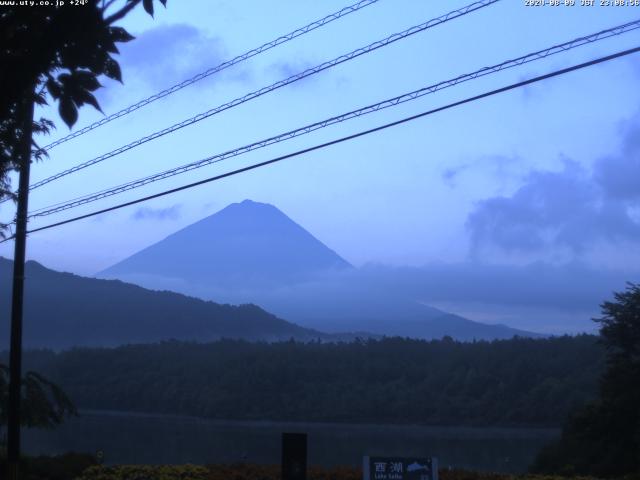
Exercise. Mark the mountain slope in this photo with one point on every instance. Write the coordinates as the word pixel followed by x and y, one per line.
pixel 252 252
pixel 63 310
pixel 246 243
pixel 384 315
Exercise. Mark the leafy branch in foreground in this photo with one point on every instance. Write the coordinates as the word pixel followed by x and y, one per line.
pixel 53 54
pixel 45 405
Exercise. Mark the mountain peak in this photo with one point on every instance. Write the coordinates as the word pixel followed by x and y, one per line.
pixel 247 204
pixel 30 264
pixel 245 243
pixel 248 207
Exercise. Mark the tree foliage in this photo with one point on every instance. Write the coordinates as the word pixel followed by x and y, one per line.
pixel 604 437
pixel 54 53
pixel 510 382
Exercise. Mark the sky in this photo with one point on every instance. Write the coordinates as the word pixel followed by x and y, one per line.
pixel 542 178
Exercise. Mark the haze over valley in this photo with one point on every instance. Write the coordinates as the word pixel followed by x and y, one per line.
pixel 251 252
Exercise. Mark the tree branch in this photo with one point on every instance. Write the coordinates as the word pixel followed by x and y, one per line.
pixel 106 5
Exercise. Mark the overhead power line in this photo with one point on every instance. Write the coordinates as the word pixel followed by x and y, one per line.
pixel 240 58
pixel 538 55
pixel 257 93
pixel 513 86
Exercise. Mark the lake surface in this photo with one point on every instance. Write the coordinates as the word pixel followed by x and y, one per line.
pixel 128 438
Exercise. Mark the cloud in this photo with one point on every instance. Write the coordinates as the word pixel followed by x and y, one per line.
pixel 566 214
pixel 573 286
pixel 635 64
pixel 501 167
pixel 99 218
pixel 450 174
pixel 285 69
pixel 168 213
pixel 168 54
pixel 537 296
pixel 531 91
pixel 619 175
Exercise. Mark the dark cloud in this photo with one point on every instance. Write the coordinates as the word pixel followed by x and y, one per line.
pixel 168 213
pixel 168 54
pixel 573 209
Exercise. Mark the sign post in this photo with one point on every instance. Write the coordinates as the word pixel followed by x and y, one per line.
pixel 399 468
pixel 294 456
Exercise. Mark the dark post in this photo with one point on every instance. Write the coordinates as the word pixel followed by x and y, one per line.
pixel 15 355
pixel 294 456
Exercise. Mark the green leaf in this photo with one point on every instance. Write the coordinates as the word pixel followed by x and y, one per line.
pixel 86 80
pixel 40 99
pixel 84 96
pixel 64 78
pixel 119 34
pixel 54 88
pixel 148 6
pixel 112 69
pixel 68 111
pixel 111 47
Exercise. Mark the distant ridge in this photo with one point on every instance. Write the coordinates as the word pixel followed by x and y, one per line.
pixel 247 243
pixel 63 310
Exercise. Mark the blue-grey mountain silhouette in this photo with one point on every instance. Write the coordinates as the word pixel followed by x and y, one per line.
pixel 64 310
pixel 244 244
pixel 251 252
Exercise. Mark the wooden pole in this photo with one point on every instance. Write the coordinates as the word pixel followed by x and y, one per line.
pixel 17 300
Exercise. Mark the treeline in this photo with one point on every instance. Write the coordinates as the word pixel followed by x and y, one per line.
pixel 507 382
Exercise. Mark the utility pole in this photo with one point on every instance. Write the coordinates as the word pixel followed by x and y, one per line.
pixel 15 353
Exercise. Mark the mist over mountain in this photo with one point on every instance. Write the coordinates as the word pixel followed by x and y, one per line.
pixel 251 252
pixel 62 310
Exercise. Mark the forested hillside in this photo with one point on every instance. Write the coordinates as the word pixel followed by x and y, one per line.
pixel 65 310
pixel 506 382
